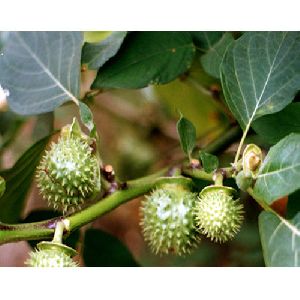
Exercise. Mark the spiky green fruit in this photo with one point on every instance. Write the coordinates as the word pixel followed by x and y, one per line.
pixel 217 214
pixel 69 172
pixel 53 255
pixel 167 220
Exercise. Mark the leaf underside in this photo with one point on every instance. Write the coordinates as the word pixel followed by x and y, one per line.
pixel 280 240
pixel 41 70
pixel 280 173
pixel 94 55
pixel 260 74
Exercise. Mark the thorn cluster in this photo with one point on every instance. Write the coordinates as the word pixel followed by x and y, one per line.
pixel 50 258
pixel 167 220
pixel 68 174
pixel 218 215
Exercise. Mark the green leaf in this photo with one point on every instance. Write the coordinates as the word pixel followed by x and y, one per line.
pixel 205 39
pixel 18 181
pixel 3 37
pixel 260 74
pixel 41 70
pixel 44 214
pixel 103 250
pixel 187 135
pixel 280 240
pixel 96 54
pixel 276 126
pixel 147 58
pixel 86 116
pixel 209 162
pixel 212 59
pixel 280 173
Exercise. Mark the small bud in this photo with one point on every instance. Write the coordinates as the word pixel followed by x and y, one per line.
pixel 252 160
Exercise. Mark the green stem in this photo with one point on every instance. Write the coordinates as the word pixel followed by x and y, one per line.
pixel 58 233
pixel 241 144
pixel 45 229
pixel 260 201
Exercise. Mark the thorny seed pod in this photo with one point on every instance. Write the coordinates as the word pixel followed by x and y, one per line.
pixel 217 214
pixel 69 172
pixel 167 220
pixel 50 254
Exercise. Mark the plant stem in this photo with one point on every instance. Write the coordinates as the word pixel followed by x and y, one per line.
pixel 261 202
pixel 45 229
pixel 241 143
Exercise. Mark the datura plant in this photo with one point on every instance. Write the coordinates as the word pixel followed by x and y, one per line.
pixel 218 112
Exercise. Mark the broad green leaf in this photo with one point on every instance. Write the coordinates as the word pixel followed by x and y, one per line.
pixel 104 250
pixel 280 240
pixel 280 173
pixel 147 58
pixel 260 74
pixel 212 59
pixel 210 162
pixel 276 126
pixel 46 214
pixel 41 70
pixel 3 36
pixel 187 135
pixel 205 39
pixel 18 181
pixel 94 55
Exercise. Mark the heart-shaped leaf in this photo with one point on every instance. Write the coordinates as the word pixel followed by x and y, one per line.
pixel 280 173
pixel 41 70
pixel 94 55
pixel 18 181
pixel 147 58
pixel 260 74
pixel 280 240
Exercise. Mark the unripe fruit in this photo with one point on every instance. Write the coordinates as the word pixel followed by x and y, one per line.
pixel 49 254
pixel 217 214
pixel 167 220
pixel 69 172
